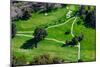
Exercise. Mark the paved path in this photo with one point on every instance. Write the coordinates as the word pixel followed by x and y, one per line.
pixel 61 23
pixel 49 26
pixel 72 28
pixel 51 39
pixel 25 31
pixel 73 36
pixel 20 32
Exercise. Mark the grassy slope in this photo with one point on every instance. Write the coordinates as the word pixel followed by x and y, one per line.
pixel 60 30
pixel 39 19
pixel 51 47
pixel 88 44
pixel 54 49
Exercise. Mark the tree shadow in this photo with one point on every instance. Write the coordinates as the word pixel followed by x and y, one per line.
pixel 29 44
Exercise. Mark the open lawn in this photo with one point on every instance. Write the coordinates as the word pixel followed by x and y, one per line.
pixel 55 32
pixel 40 19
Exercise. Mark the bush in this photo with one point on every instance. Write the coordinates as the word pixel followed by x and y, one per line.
pixel 46 59
pixel 88 15
pixel 19 60
pixel 26 13
pixel 74 41
pixel 67 32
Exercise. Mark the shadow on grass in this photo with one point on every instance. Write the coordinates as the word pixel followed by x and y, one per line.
pixel 29 44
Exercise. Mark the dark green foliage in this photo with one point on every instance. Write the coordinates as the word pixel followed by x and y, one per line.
pixel 40 33
pixel 46 59
pixel 13 30
pixel 74 41
pixel 26 13
pixel 80 37
pixel 88 14
pixel 90 19
pixel 67 32
pixel 79 22
pixel 80 60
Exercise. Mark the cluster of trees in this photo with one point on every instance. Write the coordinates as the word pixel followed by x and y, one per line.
pixel 74 41
pixel 88 14
pixel 22 10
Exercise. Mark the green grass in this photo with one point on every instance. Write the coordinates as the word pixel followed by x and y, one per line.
pixel 58 32
pixel 44 47
pixel 40 19
pixel 88 44
pixel 53 48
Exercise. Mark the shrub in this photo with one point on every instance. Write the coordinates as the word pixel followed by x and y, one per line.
pixel 26 13
pixel 57 60
pixel 88 15
pixel 67 32
pixel 46 59
pixel 19 60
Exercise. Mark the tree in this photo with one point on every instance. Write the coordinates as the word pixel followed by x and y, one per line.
pixel 74 41
pixel 26 13
pixel 90 19
pixel 39 34
pixel 13 30
pixel 88 14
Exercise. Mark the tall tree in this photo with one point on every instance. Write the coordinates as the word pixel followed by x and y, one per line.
pixel 39 34
pixel 88 14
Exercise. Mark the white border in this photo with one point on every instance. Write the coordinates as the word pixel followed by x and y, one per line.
pixel 84 2
pixel 5 32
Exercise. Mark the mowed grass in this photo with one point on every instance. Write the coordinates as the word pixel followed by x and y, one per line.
pixel 53 48
pixel 40 19
pixel 69 54
pixel 88 44
pixel 59 31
